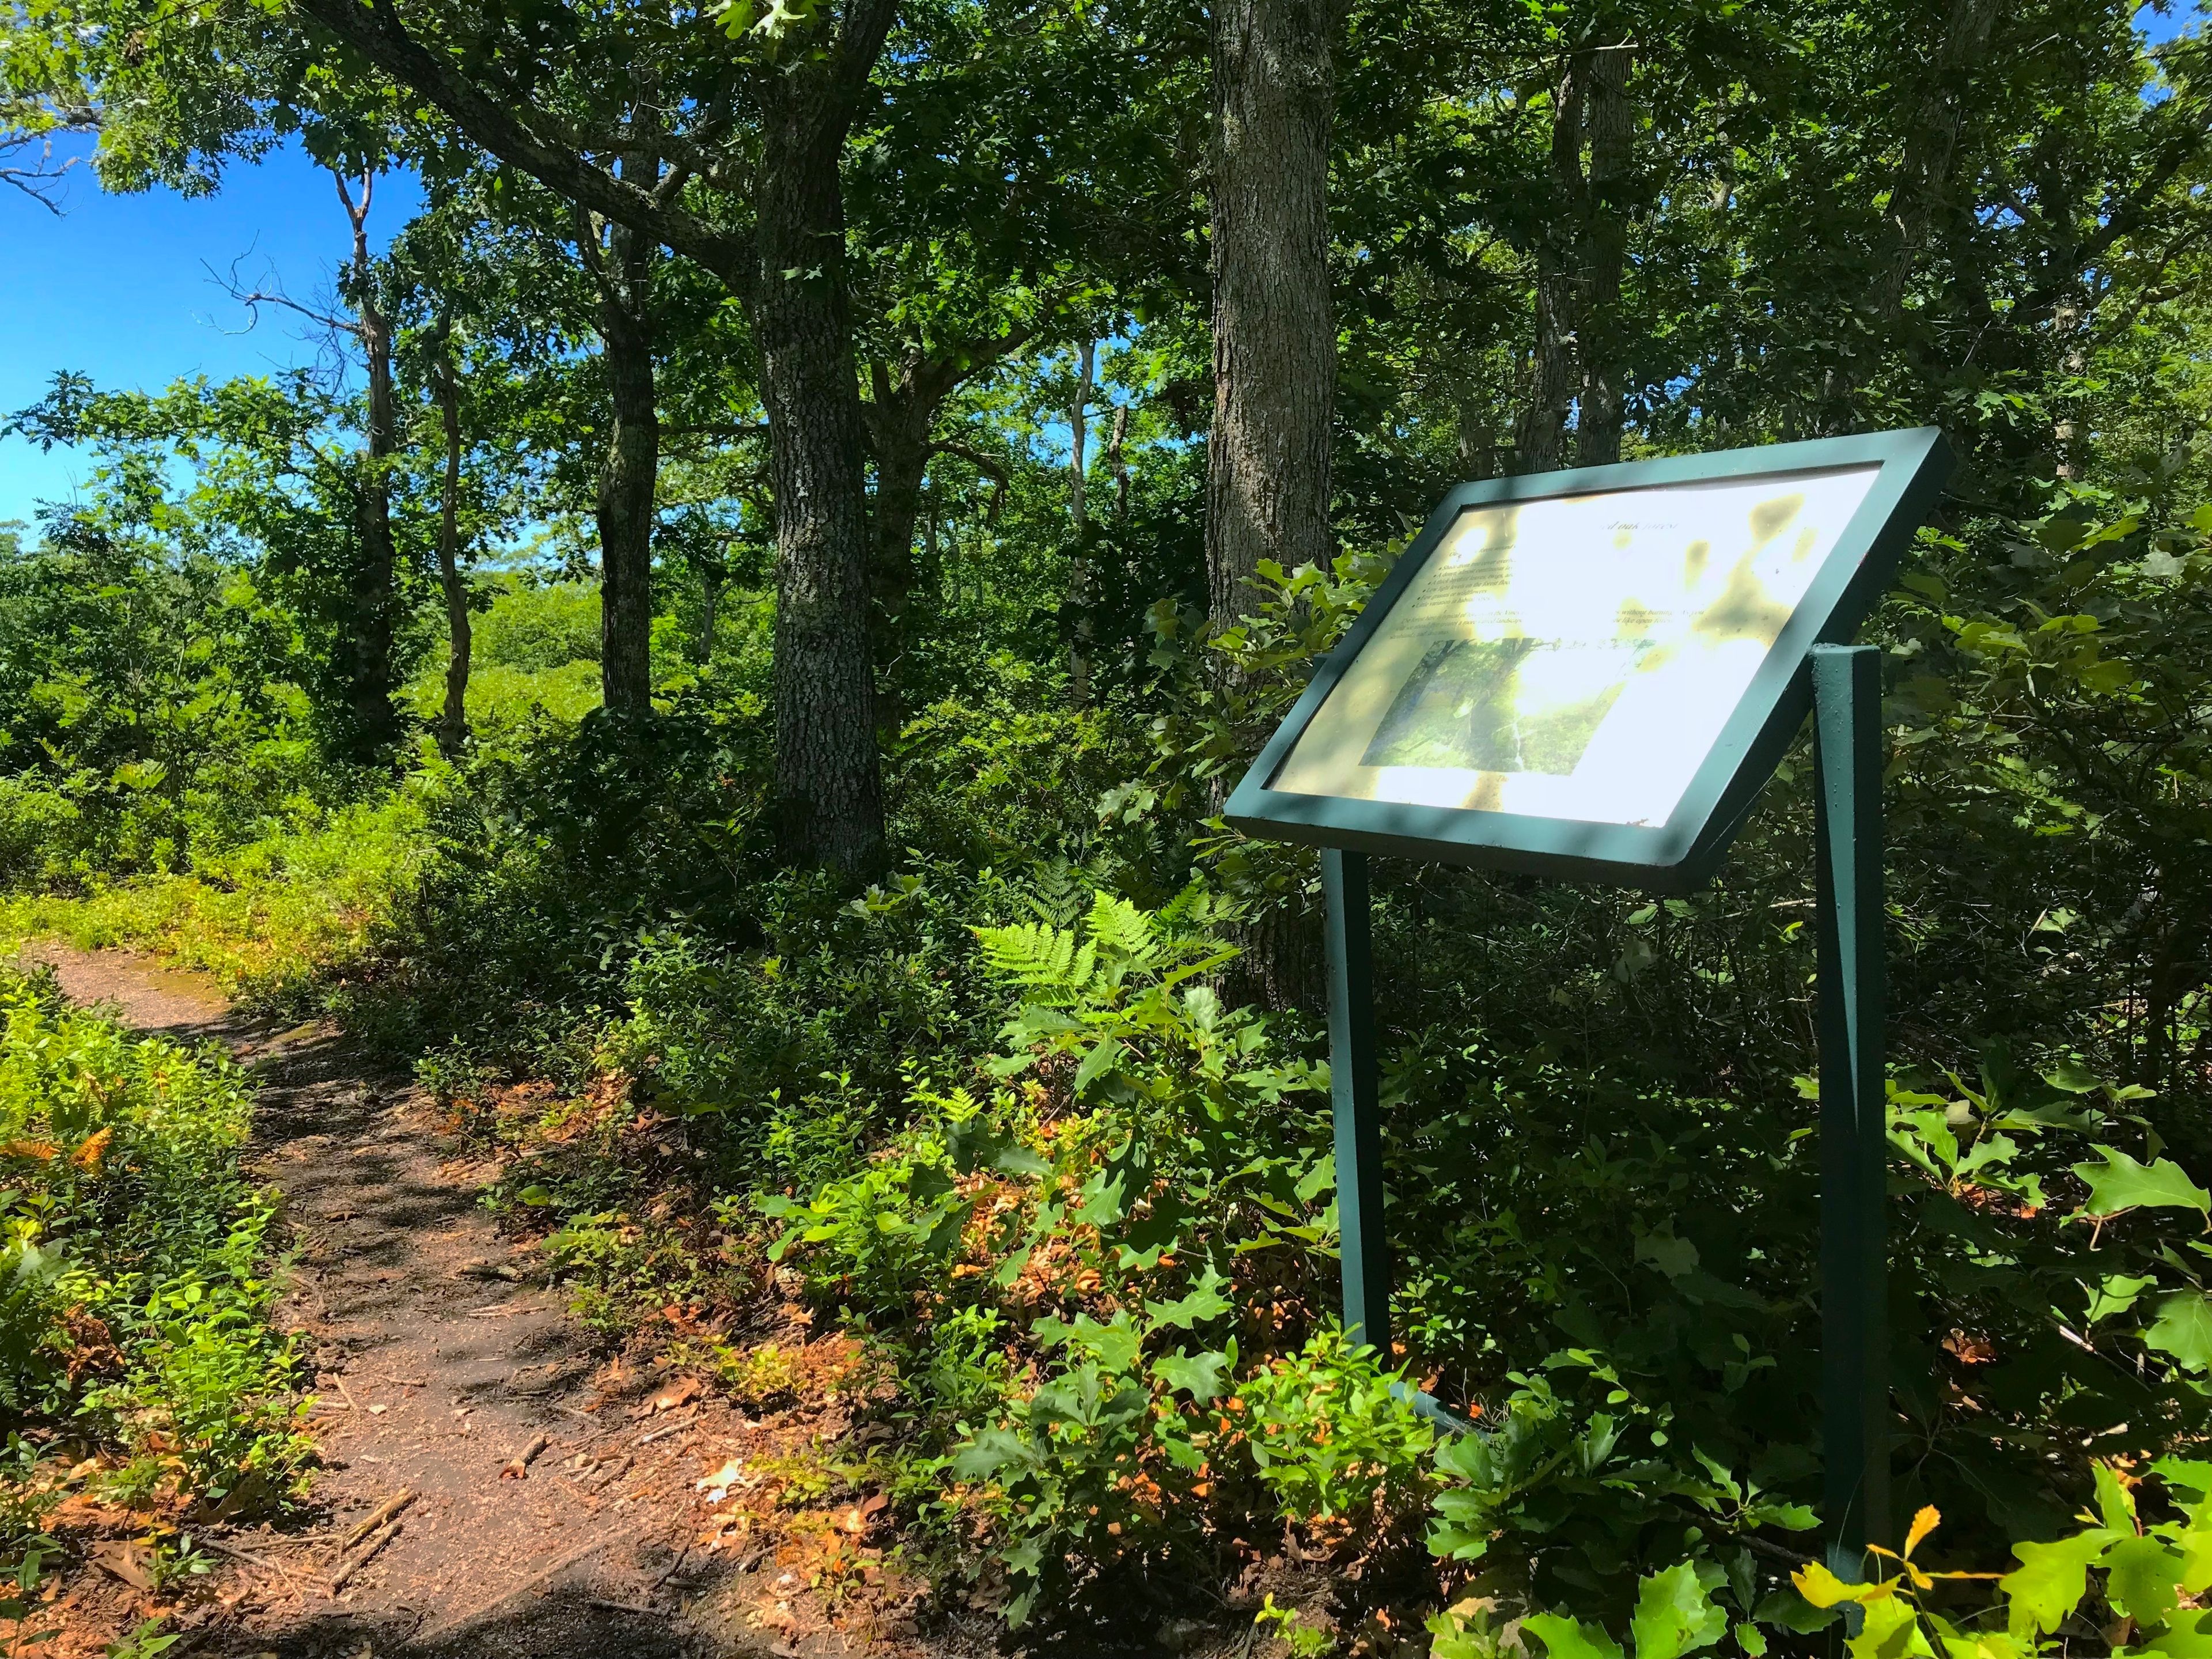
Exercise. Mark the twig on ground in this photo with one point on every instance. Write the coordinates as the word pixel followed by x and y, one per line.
pixel 669 1571
pixel 362 1557
pixel 517 1465
pixel 378 1516
pixel 247 1556
pixel 624 1607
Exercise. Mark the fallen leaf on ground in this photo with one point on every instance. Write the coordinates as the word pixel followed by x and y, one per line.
pixel 680 1392
pixel 122 1561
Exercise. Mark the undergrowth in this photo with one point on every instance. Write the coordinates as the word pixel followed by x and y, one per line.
pixel 136 1358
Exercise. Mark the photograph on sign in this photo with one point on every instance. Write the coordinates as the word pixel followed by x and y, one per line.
pixel 1575 657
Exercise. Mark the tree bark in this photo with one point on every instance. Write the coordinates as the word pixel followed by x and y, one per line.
pixel 900 416
pixel 1274 360
pixel 1931 145
pixel 1274 334
pixel 454 723
pixel 1540 435
pixel 1924 181
pixel 630 473
pixel 1478 445
pixel 1079 595
pixel 628 478
pixel 1117 461
pixel 372 583
pixel 710 603
pixel 1600 337
pixel 829 774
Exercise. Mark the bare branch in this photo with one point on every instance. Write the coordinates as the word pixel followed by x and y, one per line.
pixel 40 181
pixel 254 299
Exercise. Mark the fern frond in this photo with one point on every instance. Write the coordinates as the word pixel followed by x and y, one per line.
pixel 1042 960
pixel 1058 890
pixel 1121 931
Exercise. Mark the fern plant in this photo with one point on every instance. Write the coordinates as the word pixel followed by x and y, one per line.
pixel 1123 997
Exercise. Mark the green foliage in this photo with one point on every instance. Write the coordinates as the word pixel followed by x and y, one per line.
pixel 2137 1576
pixel 138 1261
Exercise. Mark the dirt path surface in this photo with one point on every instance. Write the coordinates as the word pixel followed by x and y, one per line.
pixel 441 1368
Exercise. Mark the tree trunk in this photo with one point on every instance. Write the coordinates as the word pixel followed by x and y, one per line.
pixel 628 478
pixel 900 418
pixel 1274 335
pixel 1599 335
pixel 1078 574
pixel 1478 446
pixel 1540 436
pixel 372 583
pixel 629 474
pixel 1275 361
pixel 454 724
pixel 710 600
pixel 829 774
pixel 1924 181
pixel 2068 326
pixel 1116 459
pixel 1923 177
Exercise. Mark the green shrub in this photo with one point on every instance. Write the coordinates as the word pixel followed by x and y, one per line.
pixel 139 1269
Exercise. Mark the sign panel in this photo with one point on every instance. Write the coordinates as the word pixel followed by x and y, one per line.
pixel 1584 670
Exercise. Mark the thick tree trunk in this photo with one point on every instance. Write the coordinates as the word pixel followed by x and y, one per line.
pixel 1540 435
pixel 1600 337
pixel 1274 334
pixel 373 598
pixel 1078 574
pixel 829 774
pixel 628 478
pixel 1274 360
pixel 453 722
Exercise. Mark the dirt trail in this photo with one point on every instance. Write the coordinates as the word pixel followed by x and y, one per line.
pixel 438 1364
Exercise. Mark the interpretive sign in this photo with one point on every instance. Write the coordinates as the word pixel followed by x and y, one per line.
pixel 1591 672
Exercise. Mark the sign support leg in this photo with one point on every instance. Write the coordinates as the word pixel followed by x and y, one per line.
pixel 1352 1069
pixel 1854 1334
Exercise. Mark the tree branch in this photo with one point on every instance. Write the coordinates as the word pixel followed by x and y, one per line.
pixel 989 466
pixel 374 29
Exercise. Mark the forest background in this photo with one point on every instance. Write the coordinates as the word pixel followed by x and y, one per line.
pixel 753 616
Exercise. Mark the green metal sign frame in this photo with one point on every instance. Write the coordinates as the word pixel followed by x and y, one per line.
pixel 1682 855
pixel 1810 667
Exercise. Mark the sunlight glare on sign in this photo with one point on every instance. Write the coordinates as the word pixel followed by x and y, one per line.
pixel 1575 657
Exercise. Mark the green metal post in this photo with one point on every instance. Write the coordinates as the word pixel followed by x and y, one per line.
pixel 1855 1407
pixel 1352 1073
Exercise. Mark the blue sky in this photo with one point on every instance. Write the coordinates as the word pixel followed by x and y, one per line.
pixel 117 288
